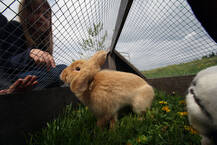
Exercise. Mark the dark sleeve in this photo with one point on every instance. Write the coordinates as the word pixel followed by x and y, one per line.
pixel 3 20
pixel 14 52
pixel 3 23
pixel 22 59
pixel 206 12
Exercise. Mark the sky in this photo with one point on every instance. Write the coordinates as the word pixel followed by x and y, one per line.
pixel 157 33
pixel 165 32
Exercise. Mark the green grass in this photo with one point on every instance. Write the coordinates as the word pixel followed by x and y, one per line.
pixel 157 127
pixel 181 69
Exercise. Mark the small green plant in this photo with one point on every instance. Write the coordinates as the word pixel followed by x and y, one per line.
pixel 93 43
pixel 165 123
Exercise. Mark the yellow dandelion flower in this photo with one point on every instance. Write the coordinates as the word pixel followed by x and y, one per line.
pixel 162 102
pixel 86 108
pixel 182 102
pixel 193 131
pixel 166 109
pixel 183 113
pixel 190 129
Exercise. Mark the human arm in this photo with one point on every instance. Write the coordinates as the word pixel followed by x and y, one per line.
pixel 14 53
pixel 38 56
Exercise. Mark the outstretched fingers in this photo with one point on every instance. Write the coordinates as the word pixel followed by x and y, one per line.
pixel 29 81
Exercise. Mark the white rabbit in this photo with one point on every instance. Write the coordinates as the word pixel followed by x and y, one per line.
pixel 202 105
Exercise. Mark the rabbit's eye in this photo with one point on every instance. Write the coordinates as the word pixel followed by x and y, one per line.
pixel 77 68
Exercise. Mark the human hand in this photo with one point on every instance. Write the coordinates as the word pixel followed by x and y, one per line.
pixel 21 85
pixel 42 58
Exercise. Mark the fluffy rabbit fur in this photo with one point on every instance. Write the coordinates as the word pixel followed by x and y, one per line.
pixel 105 92
pixel 202 105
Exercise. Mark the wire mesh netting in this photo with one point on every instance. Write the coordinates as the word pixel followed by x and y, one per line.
pixel 79 29
pixel 161 33
pixel 157 33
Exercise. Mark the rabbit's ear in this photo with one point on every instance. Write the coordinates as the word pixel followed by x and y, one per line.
pixel 98 59
pixel 102 58
pixel 81 82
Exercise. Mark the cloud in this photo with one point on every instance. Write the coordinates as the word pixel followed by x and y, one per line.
pixel 190 35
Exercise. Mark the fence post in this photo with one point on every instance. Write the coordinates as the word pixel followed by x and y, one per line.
pixel 122 15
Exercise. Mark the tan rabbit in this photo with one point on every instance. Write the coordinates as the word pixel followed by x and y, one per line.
pixel 105 92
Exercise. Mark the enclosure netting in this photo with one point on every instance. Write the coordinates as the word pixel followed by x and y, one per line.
pixel 157 33
pixel 160 33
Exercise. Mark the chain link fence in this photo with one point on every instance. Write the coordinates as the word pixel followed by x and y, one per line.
pixel 79 29
pixel 162 33
pixel 160 37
